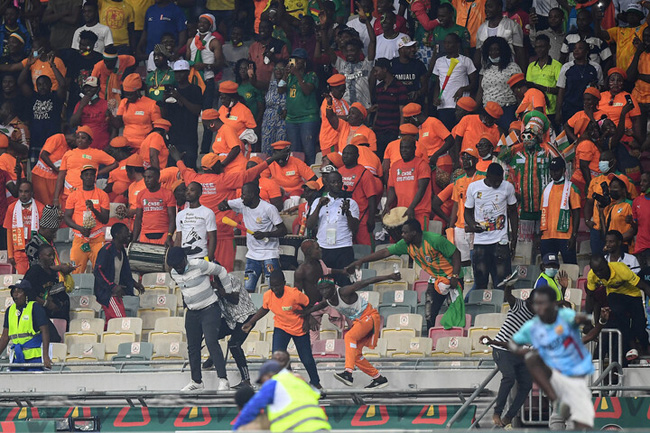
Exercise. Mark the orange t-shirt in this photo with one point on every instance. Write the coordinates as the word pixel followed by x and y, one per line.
pixel 433 134
pixel 612 108
pixel 404 177
pixel 239 117
pixel 446 206
pixel 154 210
pixel 40 68
pixel 594 187
pixel 578 118
pixel 269 189
pixel 346 132
pixel 8 164
pixel 329 137
pixel 56 146
pixel 108 78
pixel 470 14
pixel 586 151
pixel 553 211
pixel 134 190
pixel 119 179
pixel 533 98
pixel 471 129
pixel 284 308
pixel 73 160
pixel 616 213
pixel 393 155
pixel 26 233
pixel 155 141
pixel 227 138
pixel 458 194
pixel 641 90
pixel 168 176
pixel 361 183
pixel 77 203
pixel 138 119
pixel 292 176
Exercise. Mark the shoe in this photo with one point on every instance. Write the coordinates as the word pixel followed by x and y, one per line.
pixel 208 364
pixel 320 389
pixel 344 377
pixel 223 385
pixel 193 386
pixel 380 382
pixel 242 384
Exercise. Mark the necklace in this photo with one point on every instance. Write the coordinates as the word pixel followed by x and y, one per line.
pixel 158 83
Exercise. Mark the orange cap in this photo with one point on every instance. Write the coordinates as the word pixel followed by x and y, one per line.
pixel 86 130
pixel 175 184
pixel 471 151
pixel 210 159
pixel 209 114
pixel 617 70
pixel 312 184
pixel 411 109
pixel 134 160
pixel 361 108
pixel 593 92
pixel 359 139
pixel 493 109
pixel 88 167
pixel 336 80
pixel 279 145
pixel 132 83
pixel 517 78
pixel 408 129
pixel 4 141
pixel 228 87
pixel 119 142
pixel 336 159
pixel 162 124
pixel 467 104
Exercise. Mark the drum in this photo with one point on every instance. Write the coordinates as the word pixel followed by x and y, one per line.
pixel 145 258
pixel 393 222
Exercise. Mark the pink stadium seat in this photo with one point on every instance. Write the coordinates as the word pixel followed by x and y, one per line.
pixel 436 333
pixel 424 275
pixel 6 268
pixel 329 349
pixel 421 287
pixel 468 322
pixel 60 325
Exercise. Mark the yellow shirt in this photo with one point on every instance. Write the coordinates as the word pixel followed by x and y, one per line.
pixel 624 38
pixel 621 280
pixel 117 15
pixel 140 9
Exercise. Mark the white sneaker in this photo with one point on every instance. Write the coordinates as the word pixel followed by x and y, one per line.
pixel 193 386
pixel 223 385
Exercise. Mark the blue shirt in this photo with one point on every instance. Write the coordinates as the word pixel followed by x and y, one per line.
pixel 257 403
pixel 160 20
pixel 559 343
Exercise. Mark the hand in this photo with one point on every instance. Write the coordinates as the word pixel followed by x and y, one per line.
pixel 279 156
pixel 324 201
pixel 139 287
pixel 223 206
pixel 313 323
pixel 50 58
pixel 637 43
pixel 533 18
pixel 250 71
pixel 328 98
pixel 604 314
pixel 47 362
pixel 118 291
pixel 352 267
pixel 90 205
pixel 169 242
pixel 260 235
pixel 373 108
pixel 484 339
pixel 453 282
pixel 30 61
pixel 396 276
pixel 409 213
pixel 459 94
pixel 433 160
pixel 67 268
pixel 246 327
pixel 360 9
pixel 85 232
pixel 563 279
pixel 12 262
pixel 370 225
pixel 436 101
pixel 345 207
pixel 175 153
pixel 591 224
pixel 629 106
pixel 572 243
pixel 629 219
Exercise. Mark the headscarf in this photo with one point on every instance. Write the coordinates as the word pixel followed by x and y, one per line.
pixel 50 218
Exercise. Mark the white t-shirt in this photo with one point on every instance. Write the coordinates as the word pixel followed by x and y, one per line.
pixel 458 78
pixel 360 27
pixel 333 229
pixel 491 210
pixel 507 29
pixel 263 218
pixel 104 37
pixel 387 48
pixel 194 225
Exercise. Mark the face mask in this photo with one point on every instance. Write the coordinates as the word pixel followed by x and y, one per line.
pixel 36 54
pixel 603 166
pixel 494 60
pixel 551 272
pixel 560 180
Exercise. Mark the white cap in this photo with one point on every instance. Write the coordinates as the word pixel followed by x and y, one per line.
pixel 405 42
pixel 91 81
pixel 181 65
pixel 635 7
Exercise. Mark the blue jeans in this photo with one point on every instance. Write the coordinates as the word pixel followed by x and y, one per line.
pixel 559 246
pixel 303 138
pixel 254 269
pixel 303 346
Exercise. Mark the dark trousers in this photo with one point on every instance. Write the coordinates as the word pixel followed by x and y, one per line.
pixel 237 338
pixel 199 324
pixel 433 303
pixel 208 102
pixel 303 346
pixel 338 258
pixel 490 260
pixel 628 317
pixel 384 137
pixel 559 246
pixel 512 368
pixel 448 117
pixel 596 241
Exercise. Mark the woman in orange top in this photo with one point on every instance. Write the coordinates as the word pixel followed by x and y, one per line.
pixel 45 172
pixel 590 100
pixel 616 213
pixel 136 113
pixel 154 148
pixel 587 155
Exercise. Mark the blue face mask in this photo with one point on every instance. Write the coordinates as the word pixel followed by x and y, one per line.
pixel 603 166
pixel 494 60
pixel 551 272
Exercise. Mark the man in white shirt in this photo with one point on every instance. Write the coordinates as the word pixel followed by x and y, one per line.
pixel 196 226
pixel 497 25
pixel 358 23
pixel 388 43
pixel 615 253
pixel 336 219
pixel 91 17
pixel 264 226
pixel 491 213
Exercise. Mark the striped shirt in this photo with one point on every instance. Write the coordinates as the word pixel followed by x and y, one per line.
pixel 531 176
pixel 195 283
pixel 389 101
pixel 599 50
pixel 433 255
pixel 519 314
pixel 242 310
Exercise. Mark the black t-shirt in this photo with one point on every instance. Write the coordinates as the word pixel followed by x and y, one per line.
pixel 409 73
pixel 47 282
pixel 46 117
pixel 78 68
pixel 184 123
pixel 39 318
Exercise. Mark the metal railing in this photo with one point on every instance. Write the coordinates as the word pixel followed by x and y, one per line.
pixel 477 392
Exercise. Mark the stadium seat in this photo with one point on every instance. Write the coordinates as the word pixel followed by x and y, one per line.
pixel 63 235
pixel 6 268
pixel 390 286
pixel 574 296
pixel 475 335
pixel 257 349
pixel 389 310
pixel 435 226
pixel 112 341
pixel 173 350
pixel 414 347
pixel 331 348
pixel 468 322
pixel 361 251
pixel 287 250
pixel 385 266
pixel 149 317
pixel 157 279
pixel 258 299
pixel 572 270
pixel 82 314
pixel 170 324
pixel 95 326
pixel 368 273
pixel 378 352
pixel 494 297
pixel 490 320
pixel 7 280
pixel 131 305
pixel 5 300
pixel 156 301
pixel 58 352
pixel 522 293
pixel 288 276
pixel 408 275
pixel 328 334
pixel 87 350
pixel 325 324
pixel 397 298
pixel 404 321
pixel 165 338
pixel 144 350
pixel 436 334
pixel 389 334
pixel 421 288
pixel 527 276
pixel 83 281
pixel 453 346
pixel 84 303
pixel 481 308
pixel 126 325
pixel 72 338
pixel 371 297
pixel 259 329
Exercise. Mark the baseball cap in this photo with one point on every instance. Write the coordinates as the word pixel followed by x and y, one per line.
pixel 91 81
pixel 88 167
pixel 405 41
pixel 300 53
pixel 550 259
pixel 557 164
pixel 181 65
pixel 22 284
pixel 270 366
pixel 175 256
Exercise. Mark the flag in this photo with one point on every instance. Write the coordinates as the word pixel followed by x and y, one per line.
pixel 508 140
pixel 564 147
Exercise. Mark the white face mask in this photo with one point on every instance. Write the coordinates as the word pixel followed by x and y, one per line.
pixel 560 180
pixel 551 272
pixel 494 60
pixel 603 166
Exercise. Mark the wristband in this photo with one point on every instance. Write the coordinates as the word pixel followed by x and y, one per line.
pixel 170 234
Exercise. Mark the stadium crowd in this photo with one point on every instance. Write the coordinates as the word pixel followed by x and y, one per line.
pixel 471 136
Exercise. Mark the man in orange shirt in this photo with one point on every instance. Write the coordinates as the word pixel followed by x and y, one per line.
pixel 42 66
pixel 86 213
pixel 392 152
pixel 290 172
pixel 22 222
pixel 118 181
pixel 110 72
pixel 469 130
pixel 68 179
pixel 361 184
pixel 367 157
pixel 269 189
pixel 10 153
pixel 329 137
pixel 134 165
pixel 45 172
pixel 154 148
pixel 350 127
pixel 217 187
pixel 409 184
pixel 434 136
pixel 155 216
pixel 232 112
pixel 227 143
pixel 529 98
pixel 560 214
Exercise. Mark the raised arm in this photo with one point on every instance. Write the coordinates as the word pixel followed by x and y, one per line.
pixel 348 290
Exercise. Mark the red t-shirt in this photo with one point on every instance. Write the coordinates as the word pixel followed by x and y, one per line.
pixel 154 210
pixel 94 115
pixel 404 177
pixel 641 214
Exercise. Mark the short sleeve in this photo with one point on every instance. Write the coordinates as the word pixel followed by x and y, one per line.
pixel 460 128
pixel 590 190
pixel 305 171
pixel 585 151
pixel 70 202
pixel 512 198
pixel 591 281
pixel 424 172
pixel 565 47
pixel 574 198
pixel 399 248
pixel 181 21
pixel 301 298
pixel 523 335
pixel 568 314
pixel 39 316
pixel 437 68
pixel 561 79
pixel 105 158
pixel 179 222
pixel 440 243
pixel 314 206
pixel 274 215
pixel 236 205
pixel 170 201
pixel 104 201
pixel 266 300
pixel 517 35
pixel 624 273
pixel 446 193
pixel 354 209
pixel 121 109
pixel 211 221
pixel 469 196
pixel 64 160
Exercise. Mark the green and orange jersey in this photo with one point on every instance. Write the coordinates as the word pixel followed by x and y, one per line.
pixel 433 255
pixel 531 175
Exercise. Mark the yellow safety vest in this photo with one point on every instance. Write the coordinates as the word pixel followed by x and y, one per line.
pixel 303 414
pixel 21 329
pixel 551 283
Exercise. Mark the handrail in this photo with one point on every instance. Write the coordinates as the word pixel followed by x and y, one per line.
pixel 480 417
pixel 472 397
pixel 606 371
